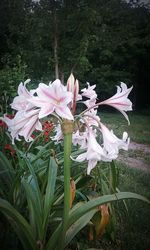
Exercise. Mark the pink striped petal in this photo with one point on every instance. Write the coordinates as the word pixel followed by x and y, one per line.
pixel 45 111
pixel 64 112
pixel 46 92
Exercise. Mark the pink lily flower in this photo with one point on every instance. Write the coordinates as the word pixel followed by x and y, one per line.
pixel 59 135
pixel 21 102
pixel 23 124
pixel 120 100
pixel 90 103
pixel 89 92
pixel 94 153
pixel 91 118
pixel 80 138
pixel 112 144
pixel 53 98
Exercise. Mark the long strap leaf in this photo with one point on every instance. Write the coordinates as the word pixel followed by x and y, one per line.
pixel 76 214
pixel 34 209
pixel 6 169
pixel 39 196
pixel 80 211
pixel 78 225
pixel 19 224
pixel 53 240
pixel 50 189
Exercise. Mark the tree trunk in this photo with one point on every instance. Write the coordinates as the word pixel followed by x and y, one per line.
pixel 56 45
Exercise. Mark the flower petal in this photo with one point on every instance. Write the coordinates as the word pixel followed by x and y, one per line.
pixel 81 157
pixel 91 164
pixel 46 93
pixel 45 111
pixel 120 100
pixel 64 112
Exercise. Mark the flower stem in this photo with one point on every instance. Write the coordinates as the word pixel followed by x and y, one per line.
pixel 67 130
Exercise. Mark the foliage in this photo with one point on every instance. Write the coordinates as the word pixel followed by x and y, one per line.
pixel 44 195
pixel 133 180
pixel 104 42
pixel 13 73
pixel 35 186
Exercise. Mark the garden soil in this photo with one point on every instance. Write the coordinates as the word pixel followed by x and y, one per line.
pixel 136 159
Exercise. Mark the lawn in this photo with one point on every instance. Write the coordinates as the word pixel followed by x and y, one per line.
pixel 139 128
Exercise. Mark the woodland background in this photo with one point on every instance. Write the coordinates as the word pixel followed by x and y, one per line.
pixel 100 41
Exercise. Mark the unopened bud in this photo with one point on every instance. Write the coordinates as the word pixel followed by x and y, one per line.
pixel 76 89
pixel 70 83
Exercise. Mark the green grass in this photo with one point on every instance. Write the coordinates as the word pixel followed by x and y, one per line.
pixel 138 130
pixel 147 159
pixel 135 227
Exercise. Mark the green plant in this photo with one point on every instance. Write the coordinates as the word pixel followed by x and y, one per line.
pixel 9 78
pixel 48 216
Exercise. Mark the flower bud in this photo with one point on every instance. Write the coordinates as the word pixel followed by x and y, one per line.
pixel 70 83
pixel 76 90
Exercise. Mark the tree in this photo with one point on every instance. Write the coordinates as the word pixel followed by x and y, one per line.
pixel 101 41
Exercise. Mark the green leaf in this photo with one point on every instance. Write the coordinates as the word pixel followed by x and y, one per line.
pixel 35 211
pixel 76 214
pixel 80 211
pixel 19 224
pixel 49 195
pixel 53 240
pixel 6 168
pixel 7 175
pixel 43 150
pixel 78 225
pixel 37 189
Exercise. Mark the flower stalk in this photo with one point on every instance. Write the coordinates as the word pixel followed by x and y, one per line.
pixel 67 129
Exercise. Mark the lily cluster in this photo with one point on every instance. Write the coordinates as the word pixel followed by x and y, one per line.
pixel 60 101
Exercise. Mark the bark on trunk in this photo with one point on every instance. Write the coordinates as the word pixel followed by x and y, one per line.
pixel 56 46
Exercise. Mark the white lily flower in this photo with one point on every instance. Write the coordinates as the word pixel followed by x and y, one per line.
pixel 21 102
pixel 90 103
pixel 94 153
pixel 23 124
pixel 112 143
pixel 59 135
pixel 91 118
pixel 120 100
pixel 80 138
pixel 53 98
pixel 89 92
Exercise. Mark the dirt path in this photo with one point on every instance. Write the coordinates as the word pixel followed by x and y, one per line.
pixel 135 156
